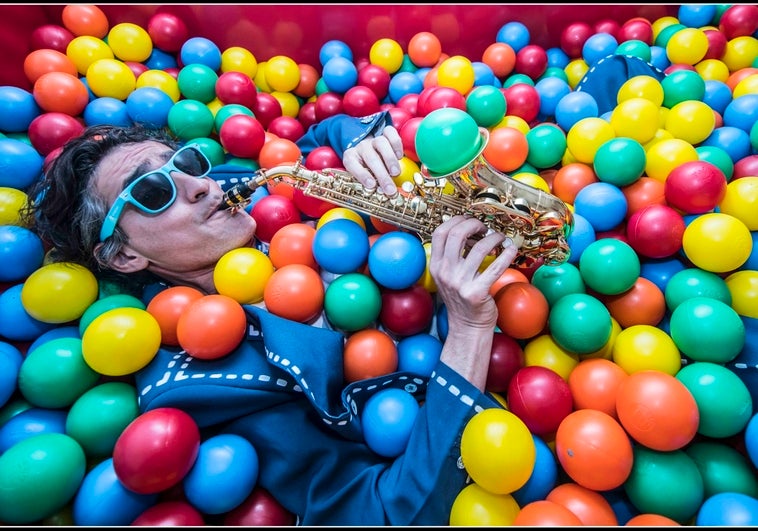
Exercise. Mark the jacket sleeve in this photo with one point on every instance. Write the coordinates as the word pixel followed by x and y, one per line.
pixel 342 131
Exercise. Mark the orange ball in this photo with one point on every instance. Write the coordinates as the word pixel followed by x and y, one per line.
pixel 643 192
pixel 278 151
pixel 167 305
pixel 509 275
pixel 651 520
pixel 643 303
pixel 657 410
pixel 309 76
pixel 424 49
pixel 500 57
pixel 589 506
pixel 594 384
pixel 369 353
pixel 571 178
pixel 85 19
pixel 506 149
pixel 45 60
pixel 295 292
pixel 545 513
pixel 293 244
pixel 522 310
pixel 211 327
pixel 594 450
pixel 60 92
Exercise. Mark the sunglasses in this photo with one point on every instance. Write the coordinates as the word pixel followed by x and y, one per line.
pixel 155 191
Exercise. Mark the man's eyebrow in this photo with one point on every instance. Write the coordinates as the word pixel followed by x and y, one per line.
pixel 146 167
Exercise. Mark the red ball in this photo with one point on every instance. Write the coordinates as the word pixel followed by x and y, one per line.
pixel 522 100
pixel 408 137
pixel 740 20
pixel 531 60
pixel 434 98
pixel 375 78
pixel 399 116
pixel 307 114
pixel 238 88
pixel 286 127
pixel 360 101
pixel 271 213
pixel 50 37
pixel 409 102
pixel 746 167
pixel 695 187
pixel 156 450
pixel 406 312
pixel 169 514
pixel 211 327
pixel 322 157
pixel 655 231
pixel 609 26
pixel 259 509
pixel 540 397
pixel 637 28
pixel 137 68
pixel 168 32
pixel 573 38
pixel 328 104
pixel 506 358
pixel 52 130
pixel 242 136
pixel 716 44
pixel 266 108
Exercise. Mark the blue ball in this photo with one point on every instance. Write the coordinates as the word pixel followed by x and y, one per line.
pixel 573 107
pixel 397 260
pixel 387 420
pixel 582 235
pixel 224 474
pixel 21 164
pixel 17 109
pixel 160 60
pixel 750 437
pixel 55 333
pixel 728 509
pixel 15 322
pixel 742 112
pixel 334 48
pixel 551 90
pixel 340 246
pixel 515 34
pixel 149 106
pixel 696 15
pixel 543 478
pixel 339 74
pixel 199 50
pixel 441 322
pixel 108 111
pixel 102 500
pixel 598 46
pixel 660 271
pixel 29 423
pixel 10 363
pixel 659 58
pixel 21 253
pixel 733 140
pixel 556 57
pixel 404 83
pixel 717 95
pixel 418 354
pixel 603 204
pixel 483 74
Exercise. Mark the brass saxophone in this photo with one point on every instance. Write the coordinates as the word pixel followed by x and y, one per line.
pixel 538 222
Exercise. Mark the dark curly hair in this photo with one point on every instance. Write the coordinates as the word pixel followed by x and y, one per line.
pixel 66 212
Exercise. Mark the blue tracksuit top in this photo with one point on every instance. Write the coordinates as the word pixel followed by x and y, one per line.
pixel 283 390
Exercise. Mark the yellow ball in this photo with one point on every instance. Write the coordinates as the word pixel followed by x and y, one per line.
pixel 665 155
pixel 288 102
pixel 85 50
pixel 456 72
pixel 646 87
pixel 606 351
pixel 533 180
pixel 339 213
pixel 260 78
pixel 386 53
pixel 59 292
pixel 426 279
pixel 121 341
pixel 741 201
pixel 740 53
pixel 713 70
pixel 111 78
pixel 635 118
pixel 575 71
pixel 516 122
pixel 12 200
pixel 239 59
pixel 408 168
pixel 498 451
pixel 662 23
pixel 130 42
pixel 717 242
pixel 691 120
pixel 282 73
pixel 748 85
pixel 586 136
pixel 687 46
pixel 743 285
pixel 475 507
pixel 242 274
pixel 643 347
pixel 543 351
pixel 161 80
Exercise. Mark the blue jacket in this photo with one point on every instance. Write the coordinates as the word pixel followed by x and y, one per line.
pixel 283 390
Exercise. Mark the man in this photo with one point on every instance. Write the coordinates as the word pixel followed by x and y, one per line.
pixel 127 204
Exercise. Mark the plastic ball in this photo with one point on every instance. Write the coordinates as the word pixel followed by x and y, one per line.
pixel 743 287
pixel 445 131
pixel 586 136
pixel 271 213
pixel 386 53
pixel 21 252
pixel 293 244
pixel 39 476
pixel 419 354
pixel 580 323
pixel 695 187
pixel 655 231
pixel 555 281
pixel 295 292
pixel 740 200
pixel 387 420
pixel 643 303
pixel 369 353
pixel 540 397
pixel 598 46
pixel 424 49
pixel 108 302
pixel 594 450
pixel 60 92
pixel 643 346
pixel 543 478
pixel 341 246
pixel 589 505
pixel 167 31
pixel 728 509
pixel 352 301
pixel 619 161
pixel 110 77
pixel 717 242
pixel 706 329
pixel 723 467
pixel 166 307
pixel 477 506
pixel 59 292
pixel 407 311
pixel 507 149
pixel 23 163
pixel 15 322
pixel 609 266
pixel 261 509
pixel 156 450
pixel 282 73
pixel 498 451
pixel 694 282
pixel 130 42
pixel 200 50
pixel 574 106
pixel 339 75
pixel 522 310
pixel 635 118
pixel 242 274
pixel 107 111
pixel 170 513
pixel 594 384
pixel 82 19
pixel 211 326
pixel 486 104
pixel 547 144
pixel 18 108
pixel 396 260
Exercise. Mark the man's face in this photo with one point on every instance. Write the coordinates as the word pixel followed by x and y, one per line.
pixel 191 235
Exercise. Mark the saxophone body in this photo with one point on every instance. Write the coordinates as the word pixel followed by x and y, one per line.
pixel 538 222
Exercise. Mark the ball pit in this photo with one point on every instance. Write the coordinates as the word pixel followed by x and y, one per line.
pixel 660 174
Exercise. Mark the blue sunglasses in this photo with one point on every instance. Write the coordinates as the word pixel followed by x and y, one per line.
pixel 155 191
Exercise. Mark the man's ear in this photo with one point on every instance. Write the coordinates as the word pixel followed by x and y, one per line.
pixel 127 260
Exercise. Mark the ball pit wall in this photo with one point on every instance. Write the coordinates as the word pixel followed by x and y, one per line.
pixel 299 30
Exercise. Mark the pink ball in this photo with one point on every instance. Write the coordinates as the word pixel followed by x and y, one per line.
pixel 242 136
pixel 236 87
pixel 716 44
pixel 170 513
pixel 573 38
pixel 746 167
pixel 695 187
pixel 307 114
pixel 376 78
pixel 531 60
pixel 522 100
pixel 168 32
pixel 409 102
pixel 286 127
pixel 271 213
pixel 540 397
pixel 434 98
pixel 360 101
pixel 51 130
pixel 655 231
pixel 328 104
pixel 399 116
pixel 266 108
pixel 740 20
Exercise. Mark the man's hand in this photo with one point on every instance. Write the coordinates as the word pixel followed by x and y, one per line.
pixel 375 161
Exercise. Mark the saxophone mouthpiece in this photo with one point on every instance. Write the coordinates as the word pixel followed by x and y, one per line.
pixel 238 195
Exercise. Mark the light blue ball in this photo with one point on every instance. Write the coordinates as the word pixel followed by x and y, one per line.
pixel 21 253
pixel 387 420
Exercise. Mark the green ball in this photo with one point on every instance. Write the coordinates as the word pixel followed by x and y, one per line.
pixel 636 48
pixel 620 161
pixel 212 149
pixel 230 109
pixel 720 158
pixel 706 329
pixel 724 468
pixel 514 79
pixel 447 139
pixel 486 104
pixel 723 400
pixel 754 128
pixel 580 323
pixel 666 33
pixel 547 145
pixel 352 302
pixel 665 483
pixel 12 408
pixel 555 281
pixel 189 119
pixel 609 266
pixel 695 282
pixel 39 476
pixel 682 85
pixel 100 415
pixel 100 306
pixel 554 71
pixel 55 373
pixel 197 81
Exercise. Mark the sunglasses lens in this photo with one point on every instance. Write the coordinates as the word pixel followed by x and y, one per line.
pixel 154 191
pixel 192 162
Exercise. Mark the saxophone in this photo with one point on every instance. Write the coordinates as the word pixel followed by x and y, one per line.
pixel 538 222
